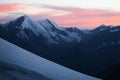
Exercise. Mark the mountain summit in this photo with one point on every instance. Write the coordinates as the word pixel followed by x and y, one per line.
pixel 45 28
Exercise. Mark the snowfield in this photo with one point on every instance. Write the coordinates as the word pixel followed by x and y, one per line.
pixel 13 72
pixel 12 54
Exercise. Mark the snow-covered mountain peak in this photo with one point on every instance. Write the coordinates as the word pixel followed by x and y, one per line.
pixel 106 27
pixel 49 24
pixel 65 34
pixel 73 29
pixel 28 23
pixel 25 17
pixel 103 28
pixel 22 19
pixel 26 28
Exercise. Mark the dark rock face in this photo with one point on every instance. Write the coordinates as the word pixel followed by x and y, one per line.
pixel 110 73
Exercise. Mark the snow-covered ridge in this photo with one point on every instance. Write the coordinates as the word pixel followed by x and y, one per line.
pixel 55 30
pixel 12 54
pixel 32 25
pixel 47 28
pixel 109 28
pixel 49 24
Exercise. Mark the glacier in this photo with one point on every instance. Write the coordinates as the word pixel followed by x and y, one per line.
pixel 12 54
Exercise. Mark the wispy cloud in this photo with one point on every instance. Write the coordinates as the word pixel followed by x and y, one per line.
pixel 65 16
pixel 17 9
pixel 86 17
pixel 10 7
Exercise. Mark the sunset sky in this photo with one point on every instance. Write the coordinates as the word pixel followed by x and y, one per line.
pixel 69 13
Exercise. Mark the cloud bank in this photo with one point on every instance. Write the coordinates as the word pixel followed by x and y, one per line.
pixel 65 16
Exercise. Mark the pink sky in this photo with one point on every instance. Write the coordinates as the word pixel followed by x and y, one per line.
pixel 64 16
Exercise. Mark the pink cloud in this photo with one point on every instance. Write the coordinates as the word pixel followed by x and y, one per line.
pixel 76 17
pixel 2 17
pixel 12 10
pixel 13 7
pixel 9 7
pixel 86 18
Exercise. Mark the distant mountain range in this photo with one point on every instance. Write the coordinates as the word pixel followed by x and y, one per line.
pixel 90 51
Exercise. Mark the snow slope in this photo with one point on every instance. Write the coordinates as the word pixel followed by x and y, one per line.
pixel 12 54
pixel 13 72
